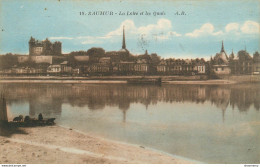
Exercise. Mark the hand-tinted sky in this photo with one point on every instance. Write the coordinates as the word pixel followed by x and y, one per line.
pixel 197 34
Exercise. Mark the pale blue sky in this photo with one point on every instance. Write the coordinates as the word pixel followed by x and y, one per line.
pixel 197 34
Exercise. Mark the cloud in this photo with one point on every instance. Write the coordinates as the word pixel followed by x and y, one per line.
pixel 185 55
pixel 60 38
pixel 162 30
pixel 250 27
pixel 130 28
pixel 165 36
pixel 172 33
pixel 90 40
pixel 87 39
pixel 162 26
pixel 232 27
pixel 205 29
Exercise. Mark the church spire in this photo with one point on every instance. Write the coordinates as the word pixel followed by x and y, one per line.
pixel 123 44
pixel 222 48
pixel 232 56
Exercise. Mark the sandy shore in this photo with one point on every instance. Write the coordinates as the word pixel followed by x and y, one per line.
pixel 54 144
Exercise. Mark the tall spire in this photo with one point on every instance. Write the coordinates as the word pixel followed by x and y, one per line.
pixel 222 48
pixel 123 44
pixel 232 56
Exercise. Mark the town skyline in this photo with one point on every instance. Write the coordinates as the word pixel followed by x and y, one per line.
pixel 137 54
pixel 197 34
pixel 48 59
pixel 124 46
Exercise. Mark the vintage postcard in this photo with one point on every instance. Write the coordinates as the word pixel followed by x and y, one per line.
pixel 129 82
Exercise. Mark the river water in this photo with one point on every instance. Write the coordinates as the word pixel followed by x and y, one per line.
pixel 207 123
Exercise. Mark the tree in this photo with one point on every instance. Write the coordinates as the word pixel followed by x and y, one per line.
pixel 28 64
pixel 256 57
pixel 243 56
pixel 155 58
pixel 78 53
pixel 8 60
pixel 96 52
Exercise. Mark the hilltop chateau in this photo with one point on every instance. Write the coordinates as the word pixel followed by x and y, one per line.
pixel 46 58
pixel 44 47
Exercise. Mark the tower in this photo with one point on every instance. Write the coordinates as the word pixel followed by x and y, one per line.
pixel 31 45
pixel 232 56
pixel 146 52
pixel 123 43
pixel 222 48
pixel 223 53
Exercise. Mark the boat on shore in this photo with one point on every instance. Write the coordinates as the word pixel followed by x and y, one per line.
pixel 32 123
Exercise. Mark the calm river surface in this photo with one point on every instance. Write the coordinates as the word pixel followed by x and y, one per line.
pixel 211 124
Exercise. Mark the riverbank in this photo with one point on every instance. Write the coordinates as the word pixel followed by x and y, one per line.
pixel 66 81
pixel 207 82
pixel 198 79
pixel 55 145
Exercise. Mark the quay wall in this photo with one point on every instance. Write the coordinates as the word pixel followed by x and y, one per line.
pixel 123 79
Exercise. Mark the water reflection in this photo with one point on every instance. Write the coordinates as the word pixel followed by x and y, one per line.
pixel 48 98
pixel 178 119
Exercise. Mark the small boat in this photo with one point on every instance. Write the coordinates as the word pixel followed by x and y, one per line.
pixel 31 122
pixel 19 121
pixel 153 81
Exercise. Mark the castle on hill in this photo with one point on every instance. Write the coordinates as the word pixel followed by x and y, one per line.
pixel 45 47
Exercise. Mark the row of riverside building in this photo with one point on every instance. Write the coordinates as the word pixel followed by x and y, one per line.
pixel 46 58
